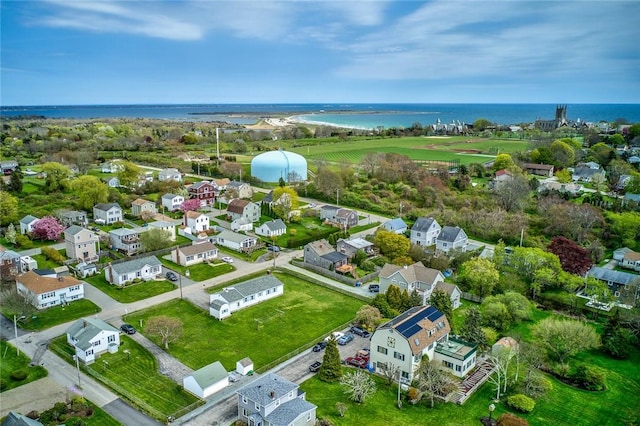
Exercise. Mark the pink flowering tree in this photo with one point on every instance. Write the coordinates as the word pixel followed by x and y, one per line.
pixel 190 205
pixel 48 228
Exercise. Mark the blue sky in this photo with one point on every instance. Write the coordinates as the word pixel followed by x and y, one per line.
pixel 61 52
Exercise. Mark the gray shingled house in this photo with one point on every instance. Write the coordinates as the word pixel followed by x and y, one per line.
pixel 239 296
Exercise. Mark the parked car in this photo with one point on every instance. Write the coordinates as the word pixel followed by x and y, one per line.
pixel 345 339
pixel 336 334
pixel 233 376
pixel 319 346
pixel 374 288
pixel 315 366
pixel 273 248
pixel 171 276
pixel 359 332
pixel 227 259
pixel 128 328
pixel 356 362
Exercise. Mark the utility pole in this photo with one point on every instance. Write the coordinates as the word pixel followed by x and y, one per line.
pixel 337 197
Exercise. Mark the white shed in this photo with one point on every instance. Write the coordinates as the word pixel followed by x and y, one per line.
pixel 244 366
pixel 207 381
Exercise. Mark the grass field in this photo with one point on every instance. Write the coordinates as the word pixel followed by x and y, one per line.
pixel 55 315
pixel 416 148
pixel 134 376
pixel 133 292
pixel 10 361
pixel 201 271
pixel 263 332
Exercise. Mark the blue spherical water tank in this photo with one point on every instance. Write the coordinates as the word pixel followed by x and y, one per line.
pixel 273 165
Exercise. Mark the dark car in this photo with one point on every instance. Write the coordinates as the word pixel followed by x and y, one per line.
pixel 319 346
pixel 359 332
pixel 128 328
pixel 356 362
pixel 374 288
pixel 273 248
pixel 345 339
pixel 315 366
pixel 171 276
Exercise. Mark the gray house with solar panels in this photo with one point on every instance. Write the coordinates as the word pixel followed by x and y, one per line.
pixel 418 332
pixel 239 296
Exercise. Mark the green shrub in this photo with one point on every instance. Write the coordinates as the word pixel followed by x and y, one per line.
pixel 24 242
pixel 521 403
pixel 3 384
pixel 589 377
pixel 19 375
pixel 53 255
pixel 536 385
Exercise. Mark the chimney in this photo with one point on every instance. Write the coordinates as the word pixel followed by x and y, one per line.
pixel 84 323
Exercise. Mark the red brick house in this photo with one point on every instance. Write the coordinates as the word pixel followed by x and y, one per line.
pixel 203 191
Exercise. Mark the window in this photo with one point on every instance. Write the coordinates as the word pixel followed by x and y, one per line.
pixel 96 343
pixel 111 338
pixel 382 350
pixel 458 368
pixel 398 355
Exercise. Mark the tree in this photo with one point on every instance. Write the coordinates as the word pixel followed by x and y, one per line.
pixel 358 385
pixel 285 199
pixel 527 261
pixel 90 191
pixel 14 303
pixel 433 381
pixel 368 317
pixel 331 368
pixel 48 228
pixel 573 258
pixel 190 205
pixel 129 174
pixel 563 176
pixel 512 194
pixel 8 208
pixel 57 176
pixel 15 182
pixel 495 314
pixel 503 161
pixel 617 341
pixel 10 234
pixel 168 329
pixel 471 329
pixel 442 302
pixel 391 244
pixel 480 274
pixel 155 239
pixel 543 278
pixel 481 124
pixel 562 153
pixel 564 338
pixel 389 371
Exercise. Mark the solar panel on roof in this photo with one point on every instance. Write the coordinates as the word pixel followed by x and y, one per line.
pixel 410 327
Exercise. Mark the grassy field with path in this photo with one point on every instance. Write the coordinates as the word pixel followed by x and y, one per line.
pixel 10 361
pixel 133 292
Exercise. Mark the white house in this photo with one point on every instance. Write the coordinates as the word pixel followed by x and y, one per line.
pixel 451 238
pixel 631 260
pixel 196 222
pixel 198 252
pixel 91 337
pixel 26 224
pixel 170 174
pixel 141 205
pixel 396 226
pixel 109 212
pixel 238 208
pixel 235 241
pixel 425 231
pixel 110 167
pixel 113 182
pixel 239 296
pixel 172 202
pixel 239 189
pixel 422 330
pixel 242 224
pixel 274 401
pixel 81 243
pixel 207 380
pixel 272 228
pixel 419 278
pixel 44 292
pixel 144 268
pixel 28 263
pixel 165 226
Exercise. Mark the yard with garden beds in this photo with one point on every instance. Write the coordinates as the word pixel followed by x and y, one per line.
pixel 132 292
pixel 200 271
pixel 15 369
pixel 55 315
pixel 264 332
pixel 134 375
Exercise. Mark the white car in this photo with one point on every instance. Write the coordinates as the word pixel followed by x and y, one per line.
pixel 336 335
pixel 227 259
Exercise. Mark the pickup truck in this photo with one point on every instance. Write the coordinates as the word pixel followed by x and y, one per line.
pixel 315 366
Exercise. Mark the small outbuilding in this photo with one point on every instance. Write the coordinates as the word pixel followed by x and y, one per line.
pixel 244 366
pixel 207 381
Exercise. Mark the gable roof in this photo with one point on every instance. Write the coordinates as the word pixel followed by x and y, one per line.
pixel 86 329
pixel 275 225
pixel 261 390
pixel 329 207
pixel 200 184
pixel 233 236
pixel 394 224
pixel 334 256
pixel 247 288
pixel 288 412
pixel 191 214
pixel 170 196
pixel 632 256
pixel 449 233
pixel 39 284
pixel 8 255
pixel 74 230
pixel 503 172
pixel 357 243
pixel 446 287
pixel 141 202
pixel 411 273
pixel 535 166
pixel 28 219
pixel 135 264
pixel 423 224
pixel 17 419
pixel 415 325
pixel 235 184
pixel 123 232
pixel 616 277
pixel 197 248
pixel 106 206
pixel 210 374
pixel 321 247
pixel 169 171
pixel 237 205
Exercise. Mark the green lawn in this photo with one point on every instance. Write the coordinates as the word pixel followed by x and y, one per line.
pixel 57 315
pixel 10 361
pixel 263 332
pixel 135 377
pixel 99 418
pixel 44 263
pixel 133 292
pixel 201 271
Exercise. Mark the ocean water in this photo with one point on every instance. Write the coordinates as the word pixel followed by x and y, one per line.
pixel 347 115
